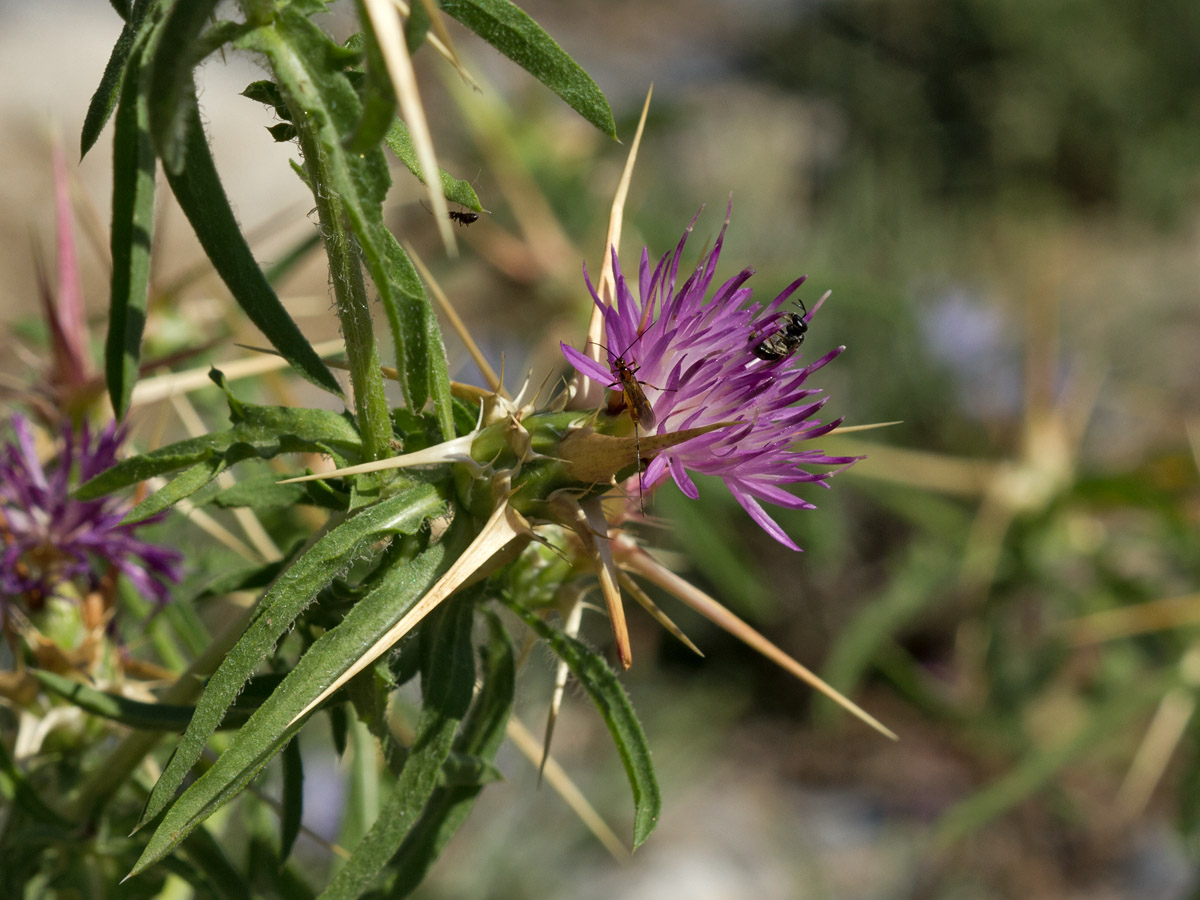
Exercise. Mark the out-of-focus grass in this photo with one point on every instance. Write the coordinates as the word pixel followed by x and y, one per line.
pixel 1000 196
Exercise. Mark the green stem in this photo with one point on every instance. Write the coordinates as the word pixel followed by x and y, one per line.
pixel 354 311
pixel 345 265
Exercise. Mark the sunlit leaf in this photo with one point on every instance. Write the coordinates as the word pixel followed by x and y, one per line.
pixel 132 229
pixel 448 679
pixel 512 32
pixel 605 691
pixel 290 594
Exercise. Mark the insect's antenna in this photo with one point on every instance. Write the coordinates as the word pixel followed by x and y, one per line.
pixel 803 308
pixel 637 337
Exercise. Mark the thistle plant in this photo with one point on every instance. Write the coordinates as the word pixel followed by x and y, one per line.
pixel 466 518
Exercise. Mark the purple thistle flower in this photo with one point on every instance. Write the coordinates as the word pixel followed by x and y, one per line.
pixel 694 359
pixel 51 540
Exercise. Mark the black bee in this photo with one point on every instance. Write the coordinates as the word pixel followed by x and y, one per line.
pixel 463 218
pixel 784 340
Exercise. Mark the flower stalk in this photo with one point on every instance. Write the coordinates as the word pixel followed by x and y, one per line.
pixel 345 263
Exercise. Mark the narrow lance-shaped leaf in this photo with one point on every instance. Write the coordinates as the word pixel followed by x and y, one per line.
pixel 277 721
pixel 105 98
pixel 260 432
pixel 399 141
pixel 147 716
pixel 178 488
pixel 172 93
pixel 262 492
pixel 611 700
pixel 287 598
pixel 293 799
pixel 132 230
pixel 414 315
pixel 447 683
pixel 481 736
pixel 525 42
pixel 263 432
pixel 202 199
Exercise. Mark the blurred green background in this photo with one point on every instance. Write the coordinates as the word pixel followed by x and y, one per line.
pixel 1003 197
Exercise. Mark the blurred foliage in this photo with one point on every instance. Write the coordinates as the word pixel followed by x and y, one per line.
pixel 1000 196
pixel 1082 104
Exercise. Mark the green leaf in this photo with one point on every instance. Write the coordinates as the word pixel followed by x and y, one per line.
pixel 132 231
pixel 202 199
pixel 292 799
pixel 172 94
pixel 267 93
pixel 272 726
pixel 339 725
pixel 178 488
pixel 137 469
pixel 417 26
pixel 447 684
pixel 134 713
pixel 282 132
pixel 481 736
pixel 611 700
pixel 291 593
pixel 104 99
pixel 261 432
pixel 456 190
pixel 424 352
pixel 464 770
pixel 523 40
pixel 262 492
pixel 153 716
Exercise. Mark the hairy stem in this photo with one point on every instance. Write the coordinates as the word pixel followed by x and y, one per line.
pixel 345 263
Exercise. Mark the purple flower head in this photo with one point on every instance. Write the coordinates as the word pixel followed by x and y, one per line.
pixel 51 540
pixel 694 358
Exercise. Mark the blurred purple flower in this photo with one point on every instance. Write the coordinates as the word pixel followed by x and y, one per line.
pixel 51 539
pixel 694 360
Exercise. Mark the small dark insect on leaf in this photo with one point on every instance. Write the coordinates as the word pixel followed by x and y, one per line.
pixel 462 217
pixel 785 339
